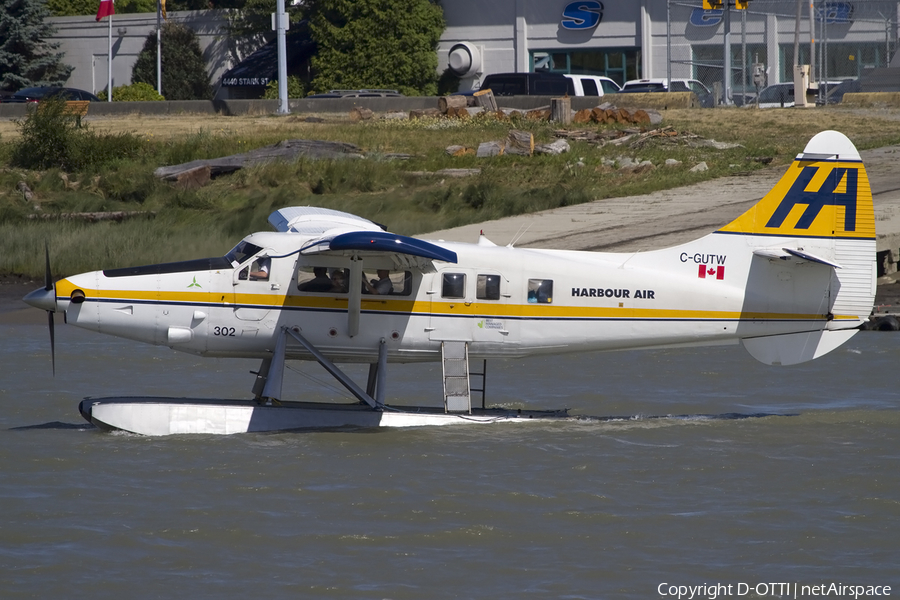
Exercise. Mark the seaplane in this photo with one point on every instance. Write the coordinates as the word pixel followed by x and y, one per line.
pixel 790 280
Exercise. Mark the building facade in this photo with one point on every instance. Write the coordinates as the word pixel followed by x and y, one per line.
pixel 631 39
pixel 85 43
pixel 621 39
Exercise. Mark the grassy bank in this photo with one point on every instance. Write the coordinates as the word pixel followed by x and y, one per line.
pixel 112 171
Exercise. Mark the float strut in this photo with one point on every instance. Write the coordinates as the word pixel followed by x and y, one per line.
pixel 330 367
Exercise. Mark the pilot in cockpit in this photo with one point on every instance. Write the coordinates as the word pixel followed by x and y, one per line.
pixel 259 270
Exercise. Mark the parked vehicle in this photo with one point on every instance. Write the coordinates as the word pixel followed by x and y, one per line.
pixel 36 94
pixel 593 85
pixel 528 84
pixel 364 93
pixel 781 95
pixel 678 85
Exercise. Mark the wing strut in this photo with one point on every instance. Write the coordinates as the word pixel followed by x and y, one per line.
pixel 275 377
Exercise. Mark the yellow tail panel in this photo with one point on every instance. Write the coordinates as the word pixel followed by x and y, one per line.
pixel 825 194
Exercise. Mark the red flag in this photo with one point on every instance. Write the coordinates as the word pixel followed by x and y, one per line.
pixel 705 270
pixel 106 9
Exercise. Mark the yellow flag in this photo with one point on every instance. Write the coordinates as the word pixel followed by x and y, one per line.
pixel 162 9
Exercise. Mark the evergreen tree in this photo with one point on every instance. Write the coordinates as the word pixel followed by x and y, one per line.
pixel 25 58
pixel 376 43
pixel 184 75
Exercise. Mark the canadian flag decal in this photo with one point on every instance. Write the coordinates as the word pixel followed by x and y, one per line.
pixel 710 271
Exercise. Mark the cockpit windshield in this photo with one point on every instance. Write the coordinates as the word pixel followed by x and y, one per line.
pixel 242 252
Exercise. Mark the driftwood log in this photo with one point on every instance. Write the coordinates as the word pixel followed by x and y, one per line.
pixel 520 142
pixel 286 150
pixel 486 149
pixel 94 217
pixel 446 102
pixel 485 99
pixel 561 110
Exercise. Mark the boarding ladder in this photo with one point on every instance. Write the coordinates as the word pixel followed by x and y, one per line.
pixel 457 394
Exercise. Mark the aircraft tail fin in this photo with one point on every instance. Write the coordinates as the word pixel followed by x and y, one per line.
pixel 820 212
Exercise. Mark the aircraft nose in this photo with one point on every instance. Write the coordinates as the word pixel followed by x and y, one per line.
pixel 42 298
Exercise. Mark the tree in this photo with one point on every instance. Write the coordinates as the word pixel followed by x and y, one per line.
pixel 376 43
pixel 25 58
pixel 184 75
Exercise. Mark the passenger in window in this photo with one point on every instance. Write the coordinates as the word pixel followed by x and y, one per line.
pixel 383 285
pixel 540 291
pixel 320 283
pixel 338 282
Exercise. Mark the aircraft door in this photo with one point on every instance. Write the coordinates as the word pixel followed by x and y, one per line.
pixel 254 283
pixel 452 297
pixel 492 320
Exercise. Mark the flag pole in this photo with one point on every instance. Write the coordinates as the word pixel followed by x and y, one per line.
pixel 109 63
pixel 159 47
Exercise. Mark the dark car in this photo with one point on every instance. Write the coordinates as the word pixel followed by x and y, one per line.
pixel 36 94
pixel 528 84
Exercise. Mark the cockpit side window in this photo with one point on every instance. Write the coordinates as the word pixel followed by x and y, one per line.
pixel 242 252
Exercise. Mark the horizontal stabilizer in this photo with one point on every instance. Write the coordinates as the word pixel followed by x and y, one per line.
pixel 788 253
pixel 794 348
pixel 811 257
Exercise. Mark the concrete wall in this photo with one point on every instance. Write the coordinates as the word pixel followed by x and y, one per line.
pixel 344 105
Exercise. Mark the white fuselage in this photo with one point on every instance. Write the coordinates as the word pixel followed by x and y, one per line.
pixel 712 290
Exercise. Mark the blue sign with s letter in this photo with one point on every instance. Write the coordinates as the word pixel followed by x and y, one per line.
pixel 582 15
pixel 701 17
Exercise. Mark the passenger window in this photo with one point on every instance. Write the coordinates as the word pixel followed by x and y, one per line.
pixel 321 279
pixel 540 291
pixel 453 285
pixel 590 87
pixel 487 287
pixel 384 281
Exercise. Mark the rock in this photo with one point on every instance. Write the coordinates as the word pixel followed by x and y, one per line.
pixel 655 117
pixel 671 162
pixel 360 113
pixel 27 194
pixel 700 168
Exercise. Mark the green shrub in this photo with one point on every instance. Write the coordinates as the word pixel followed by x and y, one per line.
pixel 136 92
pixel 295 88
pixel 50 138
pixel 184 75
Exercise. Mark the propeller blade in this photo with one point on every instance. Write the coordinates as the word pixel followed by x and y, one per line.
pixel 48 278
pixel 52 341
pixel 48 286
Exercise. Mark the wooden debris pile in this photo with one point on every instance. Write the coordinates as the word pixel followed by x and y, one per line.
pixel 517 142
pixel 635 138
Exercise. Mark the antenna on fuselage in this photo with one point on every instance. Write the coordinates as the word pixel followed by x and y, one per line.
pixel 519 234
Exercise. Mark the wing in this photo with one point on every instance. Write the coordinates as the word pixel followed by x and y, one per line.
pixel 342 233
